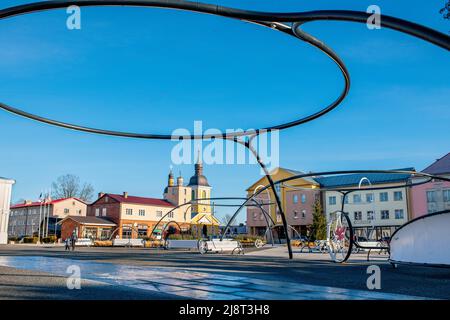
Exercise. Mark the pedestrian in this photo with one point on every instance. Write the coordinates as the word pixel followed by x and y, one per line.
pixel 73 240
pixel 67 243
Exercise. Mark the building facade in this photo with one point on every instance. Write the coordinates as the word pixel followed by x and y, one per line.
pixel 373 213
pixel 297 199
pixel 5 203
pixel 26 217
pixel 435 195
pixel 136 217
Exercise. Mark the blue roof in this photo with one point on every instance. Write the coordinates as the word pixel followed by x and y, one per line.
pixel 349 180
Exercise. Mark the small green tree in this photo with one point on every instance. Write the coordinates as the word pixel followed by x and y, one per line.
pixel 319 225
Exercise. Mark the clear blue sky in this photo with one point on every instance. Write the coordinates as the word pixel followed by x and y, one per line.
pixel 157 70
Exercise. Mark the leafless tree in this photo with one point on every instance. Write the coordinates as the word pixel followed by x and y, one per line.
pixel 69 185
pixel 445 11
pixel 226 219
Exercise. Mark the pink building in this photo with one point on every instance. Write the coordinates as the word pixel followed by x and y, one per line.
pixel 435 195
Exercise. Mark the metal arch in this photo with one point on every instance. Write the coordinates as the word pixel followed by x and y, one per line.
pixel 281 225
pixel 267 19
pixel 248 145
pixel 118 228
pixel 190 203
pixel 168 223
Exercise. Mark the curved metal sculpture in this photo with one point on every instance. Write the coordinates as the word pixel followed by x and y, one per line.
pixel 287 23
pixel 422 241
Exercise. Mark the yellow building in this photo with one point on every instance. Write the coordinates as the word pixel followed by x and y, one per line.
pixel 296 202
pixel 201 217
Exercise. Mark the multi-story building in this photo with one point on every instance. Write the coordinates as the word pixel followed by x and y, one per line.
pixel 136 216
pixel 26 217
pixel 5 202
pixel 435 195
pixel 297 199
pixel 381 211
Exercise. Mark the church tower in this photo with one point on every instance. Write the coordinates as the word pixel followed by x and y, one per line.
pixel 200 189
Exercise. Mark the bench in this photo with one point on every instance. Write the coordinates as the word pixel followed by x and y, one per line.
pixel 182 244
pixel 84 242
pixel 371 244
pixel 217 246
pixel 128 243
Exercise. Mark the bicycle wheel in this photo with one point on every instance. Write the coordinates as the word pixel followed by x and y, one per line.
pixel 339 237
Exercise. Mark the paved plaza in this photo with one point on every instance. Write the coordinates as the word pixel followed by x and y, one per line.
pixel 31 272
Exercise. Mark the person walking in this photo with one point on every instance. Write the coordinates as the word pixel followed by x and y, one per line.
pixel 67 243
pixel 73 240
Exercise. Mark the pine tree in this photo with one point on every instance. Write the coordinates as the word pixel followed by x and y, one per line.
pixel 319 225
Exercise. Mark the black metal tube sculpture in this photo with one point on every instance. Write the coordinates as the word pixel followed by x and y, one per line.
pixel 287 23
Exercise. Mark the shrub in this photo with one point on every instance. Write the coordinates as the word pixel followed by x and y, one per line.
pixel 182 237
pixel 103 243
pixel 49 239
pixel 30 239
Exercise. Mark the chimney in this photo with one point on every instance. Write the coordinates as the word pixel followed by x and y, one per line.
pixel 101 194
pixel 27 202
pixel 125 194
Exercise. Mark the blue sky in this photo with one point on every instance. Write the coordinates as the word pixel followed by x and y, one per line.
pixel 154 70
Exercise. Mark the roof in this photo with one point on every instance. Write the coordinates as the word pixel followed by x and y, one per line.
pixel 37 203
pixel 348 180
pixel 280 173
pixel 140 200
pixel 440 166
pixel 90 220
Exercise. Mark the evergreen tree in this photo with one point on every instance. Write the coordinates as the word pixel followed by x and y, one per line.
pixel 319 225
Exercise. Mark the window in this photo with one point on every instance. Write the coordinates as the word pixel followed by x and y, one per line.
pixel 97 212
pixel 126 232
pixel 142 230
pixel 303 213
pixel 193 194
pixel 446 195
pixel 204 195
pixel 384 214
pixel 142 212
pixel 129 212
pixel 278 217
pixel 295 198
pixel 331 200
pixel 255 215
pixel 431 196
pixel 398 196
pixel 344 199
pixel 399 214
pixel 66 210
pixel 295 215
pixel 369 197
pixel 384 196
pixel 170 215
pixel 159 214
pixel 358 215
pixel 303 198
pixel 104 212
pixel 370 215
pixel 356 198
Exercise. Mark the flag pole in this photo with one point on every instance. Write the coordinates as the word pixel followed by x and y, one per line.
pixel 40 218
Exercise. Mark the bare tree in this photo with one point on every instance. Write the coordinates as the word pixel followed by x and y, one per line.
pixel 69 185
pixel 445 11
pixel 226 219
